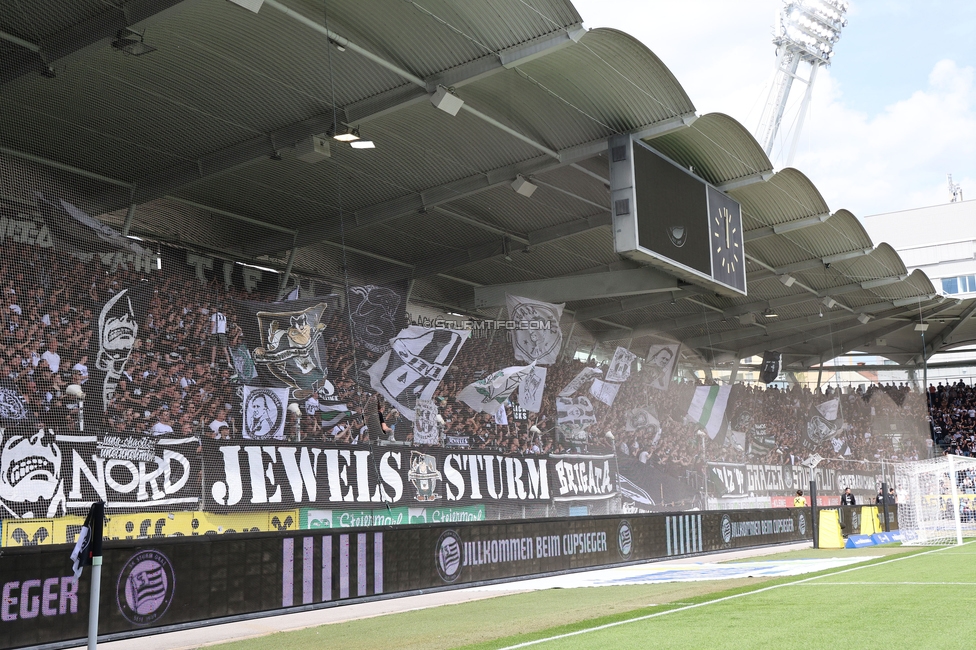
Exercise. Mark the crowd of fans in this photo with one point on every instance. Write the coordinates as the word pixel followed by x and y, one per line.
pixel 177 381
pixel 953 417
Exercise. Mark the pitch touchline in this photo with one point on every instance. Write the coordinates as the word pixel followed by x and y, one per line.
pixel 712 602
pixel 831 584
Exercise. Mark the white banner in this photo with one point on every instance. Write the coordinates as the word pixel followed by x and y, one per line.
pixel 264 413
pixel 537 336
pixel 620 366
pixel 425 431
pixel 585 375
pixel 604 391
pixel 530 389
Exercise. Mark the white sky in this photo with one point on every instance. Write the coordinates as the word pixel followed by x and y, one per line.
pixel 889 119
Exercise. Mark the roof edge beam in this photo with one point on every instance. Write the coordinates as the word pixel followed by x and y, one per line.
pixel 579 287
pixel 744 181
pixel 789 226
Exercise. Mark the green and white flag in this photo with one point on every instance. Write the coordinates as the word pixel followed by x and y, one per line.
pixel 486 395
pixel 708 408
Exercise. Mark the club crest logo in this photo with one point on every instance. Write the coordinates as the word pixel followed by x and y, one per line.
pixel 678 235
pixel 448 556
pixel 625 539
pixel 726 530
pixel 424 476
pixel 802 524
pixel 293 348
pixel 539 343
pixel 12 405
pixel 146 587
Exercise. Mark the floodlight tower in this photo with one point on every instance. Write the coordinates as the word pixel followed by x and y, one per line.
pixel 805 32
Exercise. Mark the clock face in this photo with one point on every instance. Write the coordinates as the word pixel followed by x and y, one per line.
pixel 726 241
pixel 725 231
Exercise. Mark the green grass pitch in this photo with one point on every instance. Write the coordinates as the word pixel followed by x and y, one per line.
pixel 909 598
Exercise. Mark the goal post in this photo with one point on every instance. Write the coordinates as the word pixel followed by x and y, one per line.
pixel 937 500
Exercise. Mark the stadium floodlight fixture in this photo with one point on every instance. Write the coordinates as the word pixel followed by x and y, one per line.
pixel 344 133
pixel 787 280
pixel 921 327
pixel 864 319
pixel 362 144
pixel 829 302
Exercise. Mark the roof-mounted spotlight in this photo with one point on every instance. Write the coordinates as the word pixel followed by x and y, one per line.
pixel 344 133
pixel 130 41
pixel 828 302
pixel 787 280
pixel 770 313
pixel 446 101
pixel 523 186
pixel 921 327
pixel 864 319
pixel 362 144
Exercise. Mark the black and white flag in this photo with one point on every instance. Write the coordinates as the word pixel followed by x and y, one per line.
pixel 620 365
pixel 530 389
pixel 659 369
pixel 584 375
pixel 772 362
pixel 120 319
pixel 425 430
pixel 537 336
pixel 264 413
pixel 576 411
pixel 89 544
pixel 414 366
pixel 377 314
pixel 604 391
pixel 642 418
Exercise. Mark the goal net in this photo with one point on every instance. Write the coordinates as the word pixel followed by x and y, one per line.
pixel 936 500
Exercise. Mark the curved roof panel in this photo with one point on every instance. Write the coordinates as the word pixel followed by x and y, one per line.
pixel 719 148
pixel 787 196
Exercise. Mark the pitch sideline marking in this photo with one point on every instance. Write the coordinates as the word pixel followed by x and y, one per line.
pixel 865 584
pixel 717 600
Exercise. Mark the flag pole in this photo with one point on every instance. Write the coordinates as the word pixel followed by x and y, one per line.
pixel 96 587
pixel 88 550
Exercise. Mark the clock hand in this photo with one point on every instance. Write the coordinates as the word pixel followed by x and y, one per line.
pixel 728 240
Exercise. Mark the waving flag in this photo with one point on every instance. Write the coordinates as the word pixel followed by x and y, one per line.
pixel 708 409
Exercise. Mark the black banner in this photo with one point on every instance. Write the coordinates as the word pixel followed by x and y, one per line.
pixel 150 584
pixel 49 474
pixel 251 476
pixel 740 480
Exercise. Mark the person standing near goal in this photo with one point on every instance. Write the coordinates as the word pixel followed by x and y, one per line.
pixel 847 499
pixel 799 501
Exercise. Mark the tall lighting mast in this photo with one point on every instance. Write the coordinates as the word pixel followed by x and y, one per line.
pixel 805 32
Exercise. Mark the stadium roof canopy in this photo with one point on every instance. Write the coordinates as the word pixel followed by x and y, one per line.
pixel 203 141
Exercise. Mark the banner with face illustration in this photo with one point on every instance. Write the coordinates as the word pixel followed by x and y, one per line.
pixel 120 319
pixel 49 474
pixel 659 369
pixel 263 413
pixel 288 344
